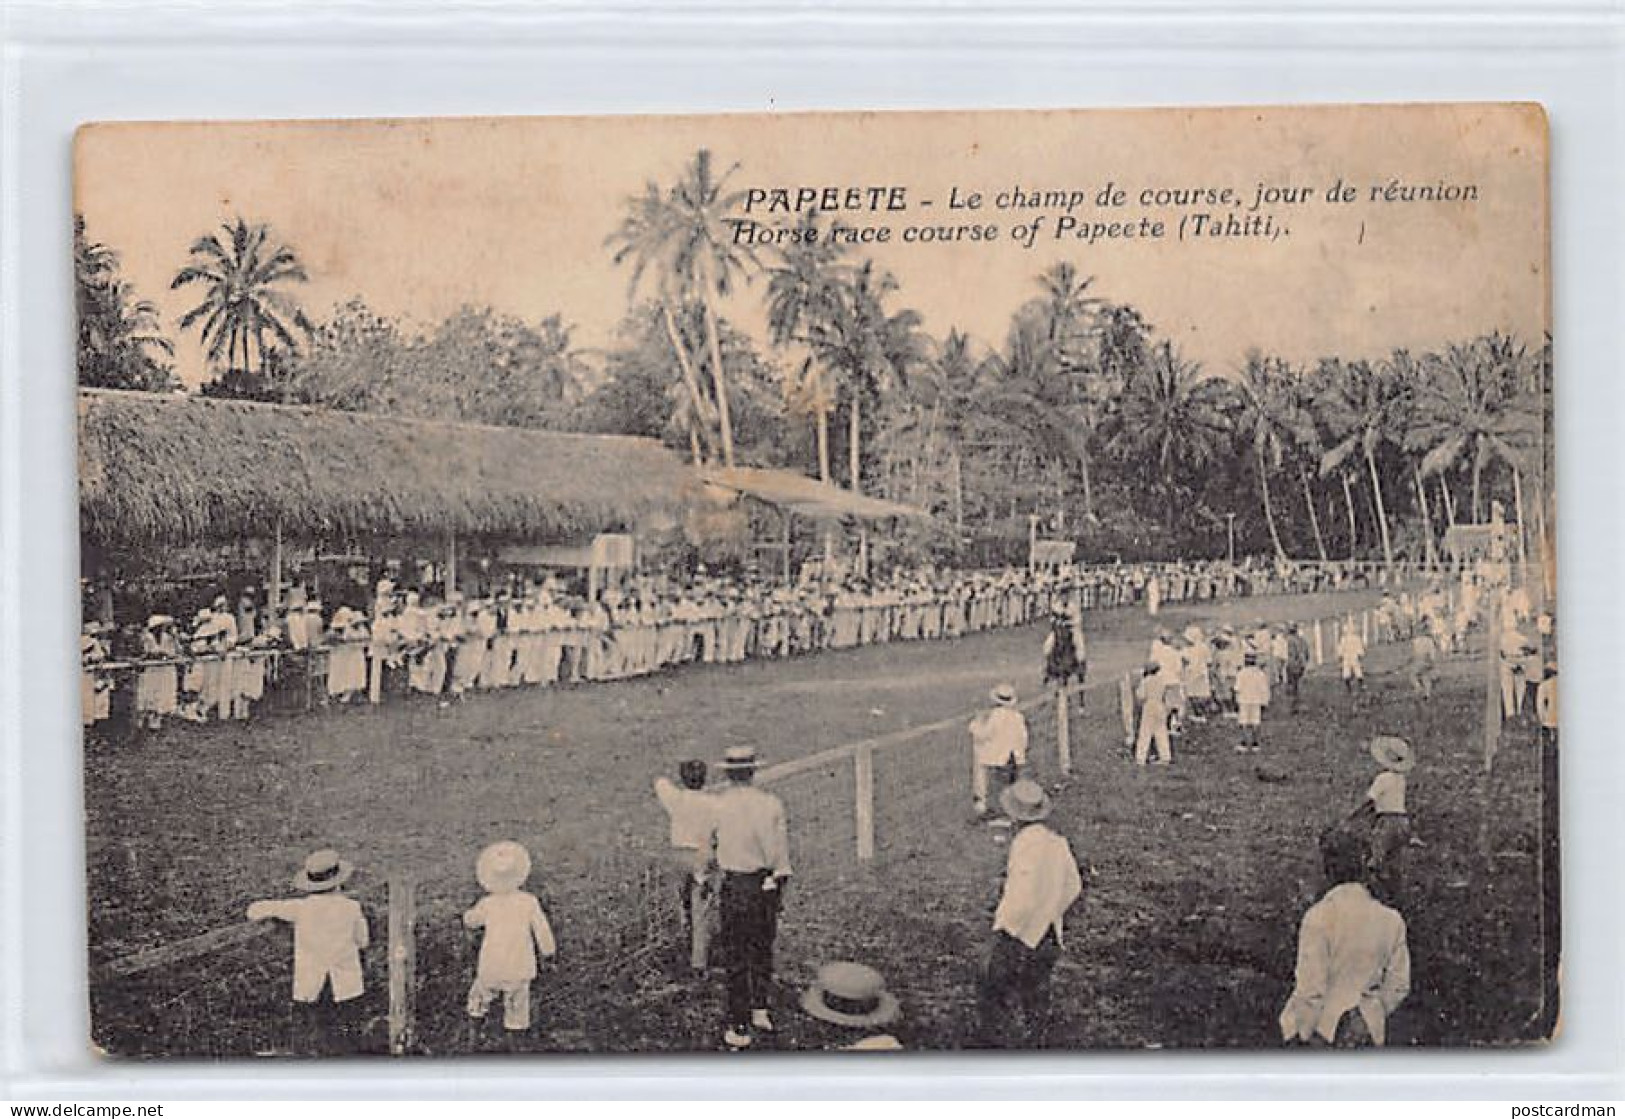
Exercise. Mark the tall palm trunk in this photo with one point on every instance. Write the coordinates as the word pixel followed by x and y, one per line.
pixel 1427 515
pixel 696 398
pixel 1088 486
pixel 1517 508
pixel 1449 504
pixel 1382 511
pixel 854 433
pixel 821 422
pixel 1269 510
pixel 720 380
pixel 1478 480
pixel 1314 518
pixel 1348 499
pixel 959 499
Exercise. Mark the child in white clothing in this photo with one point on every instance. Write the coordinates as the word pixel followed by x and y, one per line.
pixel 1252 696
pixel 515 930
pixel 329 932
pixel 1351 656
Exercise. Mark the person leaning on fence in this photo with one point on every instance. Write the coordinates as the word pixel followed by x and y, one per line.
pixel 693 813
pixel 1354 964
pixel 516 929
pixel 329 934
pixel 1040 884
pixel 753 852
pixel 998 745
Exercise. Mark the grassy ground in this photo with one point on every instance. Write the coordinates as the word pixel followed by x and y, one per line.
pixel 1185 937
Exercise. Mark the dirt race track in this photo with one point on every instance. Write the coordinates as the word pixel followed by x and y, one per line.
pixel 1185 936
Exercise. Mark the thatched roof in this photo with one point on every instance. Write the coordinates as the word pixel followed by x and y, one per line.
pixel 167 469
pixel 807 497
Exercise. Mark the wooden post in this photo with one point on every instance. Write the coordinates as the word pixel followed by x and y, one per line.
pixel 1125 700
pixel 402 962
pixel 784 545
pixel 450 575
pixel 1492 682
pixel 1320 648
pixel 863 769
pixel 1063 730
pixel 273 592
pixel 1365 626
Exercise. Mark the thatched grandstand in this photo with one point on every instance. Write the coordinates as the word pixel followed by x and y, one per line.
pixel 158 469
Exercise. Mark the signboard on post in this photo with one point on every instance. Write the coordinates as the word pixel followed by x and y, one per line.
pixel 1048 554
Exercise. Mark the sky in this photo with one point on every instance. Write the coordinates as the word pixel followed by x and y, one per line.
pixel 420 217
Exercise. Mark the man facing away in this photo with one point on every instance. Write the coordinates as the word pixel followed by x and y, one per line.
pixel 753 851
pixel 998 745
pixel 1354 965
pixel 1040 884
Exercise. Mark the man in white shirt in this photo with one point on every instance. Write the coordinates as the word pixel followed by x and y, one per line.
pixel 1515 650
pixel 753 851
pixel 1354 964
pixel 1546 706
pixel 1041 882
pixel 998 745
pixel 693 813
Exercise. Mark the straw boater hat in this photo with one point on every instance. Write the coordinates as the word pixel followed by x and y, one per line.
pixel 850 994
pixel 739 758
pixel 1004 695
pixel 1025 802
pixel 502 866
pixel 159 620
pixel 323 871
pixel 1393 753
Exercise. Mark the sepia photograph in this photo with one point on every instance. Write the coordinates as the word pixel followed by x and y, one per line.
pixel 1022 580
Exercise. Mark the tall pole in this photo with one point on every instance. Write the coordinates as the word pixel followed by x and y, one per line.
pixel 273 593
pixel 1032 541
pixel 450 581
pixel 1230 536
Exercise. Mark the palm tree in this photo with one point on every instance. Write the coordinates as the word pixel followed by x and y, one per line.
pixel 873 348
pixel 644 237
pixel 1266 419
pixel 685 235
pixel 1306 446
pixel 1069 318
pixel 119 333
pixel 805 290
pixel 243 309
pixel 1474 405
pixel 1171 417
pixel 1361 410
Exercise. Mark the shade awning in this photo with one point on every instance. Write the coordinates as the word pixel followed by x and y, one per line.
pixel 807 497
